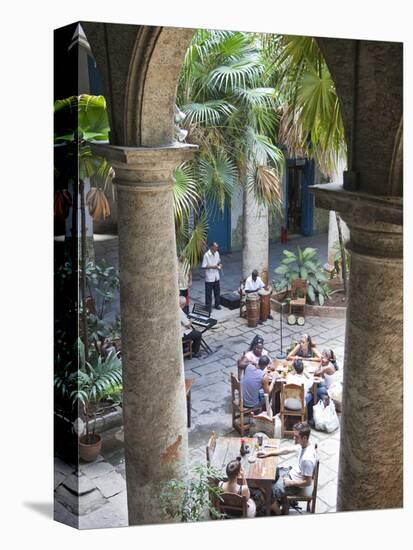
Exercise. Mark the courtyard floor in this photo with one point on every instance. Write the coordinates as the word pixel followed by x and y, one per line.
pixel 102 487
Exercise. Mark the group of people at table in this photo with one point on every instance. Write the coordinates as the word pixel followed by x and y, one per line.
pixel 258 369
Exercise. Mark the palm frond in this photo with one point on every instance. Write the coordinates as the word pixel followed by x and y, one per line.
pixel 185 192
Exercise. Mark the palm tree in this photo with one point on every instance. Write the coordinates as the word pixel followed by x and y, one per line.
pixel 311 123
pixel 232 115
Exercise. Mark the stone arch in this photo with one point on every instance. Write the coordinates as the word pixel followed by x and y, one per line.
pixel 149 118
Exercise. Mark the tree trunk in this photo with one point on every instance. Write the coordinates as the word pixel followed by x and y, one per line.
pixel 343 254
pixel 255 237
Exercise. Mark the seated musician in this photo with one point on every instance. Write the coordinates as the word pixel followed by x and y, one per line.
pixel 254 283
pixel 255 351
pixel 255 383
pixel 234 471
pixel 297 479
pixel 187 331
pixel 305 349
pixel 300 378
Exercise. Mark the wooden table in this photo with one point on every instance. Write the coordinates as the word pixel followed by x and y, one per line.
pixel 277 384
pixel 259 474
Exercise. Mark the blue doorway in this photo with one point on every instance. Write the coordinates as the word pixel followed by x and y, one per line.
pixel 219 226
pixel 299 201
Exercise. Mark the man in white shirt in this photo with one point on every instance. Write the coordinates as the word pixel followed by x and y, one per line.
pixel 212 266
pixel 294 480
pixel 254 283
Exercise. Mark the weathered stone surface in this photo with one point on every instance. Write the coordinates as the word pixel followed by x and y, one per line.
pixel 110 484
pixel 96 469
pixel 79 484
pixel 63 467
pixel 79 505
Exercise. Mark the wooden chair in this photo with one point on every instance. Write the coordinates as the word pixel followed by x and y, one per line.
pixel 298 294
pixel 188 387
pixel 210 448
pixel 232 506
pixel 187 348
pixel 238 410
pixel 294 391
pixel 309 494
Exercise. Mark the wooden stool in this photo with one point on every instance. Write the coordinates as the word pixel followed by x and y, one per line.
pixel 188 386
pixel 187 348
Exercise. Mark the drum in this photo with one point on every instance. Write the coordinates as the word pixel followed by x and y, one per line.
pixel 253 309
pixel 265 303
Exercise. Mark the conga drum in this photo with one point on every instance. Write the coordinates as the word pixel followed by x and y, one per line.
pixel 253 309
pixel 265 303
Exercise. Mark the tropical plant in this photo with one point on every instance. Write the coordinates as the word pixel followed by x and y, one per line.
pixel 311 122
pixel 102 281
pixel 303 265
pixel 87 386
pixel 79 122
pixel 191 499
pixel 231 113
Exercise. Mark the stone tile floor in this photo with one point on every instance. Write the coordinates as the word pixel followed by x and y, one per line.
pixel 102 484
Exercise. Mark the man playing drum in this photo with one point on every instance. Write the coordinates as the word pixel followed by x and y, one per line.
pixel 254 283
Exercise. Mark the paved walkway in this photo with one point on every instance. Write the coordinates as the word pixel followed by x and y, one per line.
pixel 102 484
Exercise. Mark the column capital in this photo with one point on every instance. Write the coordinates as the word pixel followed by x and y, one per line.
pixel 140 168
pixel 375 222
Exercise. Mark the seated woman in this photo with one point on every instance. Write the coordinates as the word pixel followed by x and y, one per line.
pixel 328 371
pixel 305 349
pixel 234 471
pixel 255 351
pixel 255 383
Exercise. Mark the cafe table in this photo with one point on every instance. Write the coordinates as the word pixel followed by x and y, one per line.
pixel 278 380
pixel 259 474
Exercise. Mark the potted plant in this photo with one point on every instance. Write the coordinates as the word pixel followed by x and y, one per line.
pixel 303 265
pixel 193 498
pixel 86 388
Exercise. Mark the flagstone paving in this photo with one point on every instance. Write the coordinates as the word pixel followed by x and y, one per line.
pixel 103 499
pixel 102 487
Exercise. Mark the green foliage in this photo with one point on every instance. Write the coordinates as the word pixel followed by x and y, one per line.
pixel 102 280
pixel 191 499
pixel 303 265
pixel 86 386
pixel 311 122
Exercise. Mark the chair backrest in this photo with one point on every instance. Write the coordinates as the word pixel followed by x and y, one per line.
pixel 233 505
pixel 315 473
pixel 299 288
pixel 210 448
pixel 235 389
pixel 295 391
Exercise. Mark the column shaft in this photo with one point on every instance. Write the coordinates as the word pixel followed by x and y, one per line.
pixel 371 451
pixel 154 401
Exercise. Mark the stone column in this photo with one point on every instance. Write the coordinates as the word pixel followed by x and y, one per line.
pixel 371 450
pixel 255 237
pixel 154 401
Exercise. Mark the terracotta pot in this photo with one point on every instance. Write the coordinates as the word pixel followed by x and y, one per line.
pixel 89 451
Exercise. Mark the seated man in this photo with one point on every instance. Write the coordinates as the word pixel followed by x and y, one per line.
pixel 189 333
pixel 299 377
pixel 255 383
pixel 293 480
pixel 254 283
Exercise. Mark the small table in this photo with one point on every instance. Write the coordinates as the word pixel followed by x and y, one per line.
pixel 259 474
